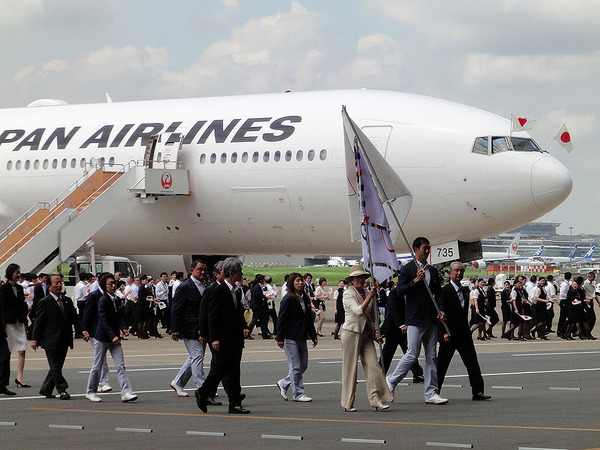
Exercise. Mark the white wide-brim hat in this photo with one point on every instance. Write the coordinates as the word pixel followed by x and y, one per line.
pixel 358 271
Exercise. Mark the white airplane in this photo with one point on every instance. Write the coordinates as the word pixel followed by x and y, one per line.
pixel 588 255
pixel 557 260
pixel 266 172
pixel 495 257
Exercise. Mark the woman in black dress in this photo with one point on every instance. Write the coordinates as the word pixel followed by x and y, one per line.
pixel 339 315
pixel 505 303
pixel 540 297
pixel 478 309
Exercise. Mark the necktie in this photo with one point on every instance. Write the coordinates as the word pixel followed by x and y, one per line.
pixel 60 305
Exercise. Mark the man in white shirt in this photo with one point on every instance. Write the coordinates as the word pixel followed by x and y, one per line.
pixel 161 289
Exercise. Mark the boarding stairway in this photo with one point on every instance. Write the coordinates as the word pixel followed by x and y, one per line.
pixel 48 233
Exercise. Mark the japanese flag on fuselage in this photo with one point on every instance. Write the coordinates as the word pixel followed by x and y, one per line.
pixel 563 137
pixel 521 123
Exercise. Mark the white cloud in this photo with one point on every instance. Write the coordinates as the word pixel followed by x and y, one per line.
pixel 19 12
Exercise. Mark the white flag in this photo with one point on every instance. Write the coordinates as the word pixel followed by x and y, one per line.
pixel 563 137
pixel 521 123
pixel 375 229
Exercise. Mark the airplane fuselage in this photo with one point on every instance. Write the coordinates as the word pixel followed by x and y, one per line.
pixel 267 172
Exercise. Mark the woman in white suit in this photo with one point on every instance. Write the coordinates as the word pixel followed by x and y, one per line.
pixel 358 336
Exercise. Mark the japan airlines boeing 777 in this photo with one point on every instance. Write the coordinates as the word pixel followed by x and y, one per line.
pixel 267 172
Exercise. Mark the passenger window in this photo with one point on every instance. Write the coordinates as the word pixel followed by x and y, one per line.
pixel 255 157
pixel 311 155
pixel 288 155
pixel 481 146
pixel 323 155
pixel 82 163
pixel 277 156
pixel 9 165
pixel 266 157
pixel 223 158
pixel 74 163
pixel 245 157
pixel 18 165
pixel 45 165
pixel 202 158
pixel 499 145
pixel 299 155
pixel 27 164
pixel 213 158
pixel 234 157
pixel 36 164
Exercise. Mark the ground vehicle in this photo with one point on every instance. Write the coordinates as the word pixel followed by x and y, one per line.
pixel 73 266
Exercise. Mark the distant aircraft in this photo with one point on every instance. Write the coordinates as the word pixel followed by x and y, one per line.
pixel 588 255
pixel 496 257
pixel 556 260
pixel 261 174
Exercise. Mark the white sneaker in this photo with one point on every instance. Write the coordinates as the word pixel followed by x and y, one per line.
pixel 435 399
pixel 391 390
pixel 178 390
pixel 303 398
pixel 130 397
pixel 105 388
pixel 93 397
pixel 282 392
pixel 380 406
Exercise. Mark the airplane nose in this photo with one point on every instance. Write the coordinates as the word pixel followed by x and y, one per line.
pixel 551 183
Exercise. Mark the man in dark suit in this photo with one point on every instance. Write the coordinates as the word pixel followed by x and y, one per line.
pixel 394 329
pixel 454 301
pixel 185 324
pixel 53 330
pixel 421 319
pixel 227 330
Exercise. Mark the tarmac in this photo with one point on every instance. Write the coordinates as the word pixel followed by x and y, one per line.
pixel 545 394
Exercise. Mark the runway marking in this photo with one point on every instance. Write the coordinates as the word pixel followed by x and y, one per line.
pixel 310 419
pixel 8 424
pixel 508 387
pixel 66 427
pixel 448 444
pixel 277 436
pixel 135 430
pixel 565 389
pixel 517 355
pixel 540 448
pixel 363 441
pixel 205 433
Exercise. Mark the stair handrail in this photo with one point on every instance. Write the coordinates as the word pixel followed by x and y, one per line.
pixel 21 220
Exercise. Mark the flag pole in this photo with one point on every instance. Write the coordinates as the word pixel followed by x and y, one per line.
pixel 375 283
pixel 386 200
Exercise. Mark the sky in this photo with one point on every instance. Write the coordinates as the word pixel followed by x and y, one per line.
pixel 539 58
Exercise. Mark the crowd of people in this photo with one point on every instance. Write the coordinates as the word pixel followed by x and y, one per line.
pixel 221 310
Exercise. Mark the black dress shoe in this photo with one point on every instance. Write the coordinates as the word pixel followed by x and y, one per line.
pixel 4 390
pixel 212 402
pixel 480 396
pixel 64 395
pixel 201 402
pixel 238 410
pixel 418 379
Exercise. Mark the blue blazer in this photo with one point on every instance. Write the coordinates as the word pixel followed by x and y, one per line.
pixel 90 312
pixel 110 320
pixel 185 310
pixel 294 323
pixel 456 315
pixel 420 310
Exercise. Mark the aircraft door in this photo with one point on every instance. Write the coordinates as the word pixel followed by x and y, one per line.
pixel 379 135
pixel 163 153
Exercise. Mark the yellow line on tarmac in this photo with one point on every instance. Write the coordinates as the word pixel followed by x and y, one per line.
pixel 429 424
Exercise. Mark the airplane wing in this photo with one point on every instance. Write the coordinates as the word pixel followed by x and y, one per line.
pixel 396 197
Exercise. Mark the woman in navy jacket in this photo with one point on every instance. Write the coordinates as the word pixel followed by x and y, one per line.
pixel 295 324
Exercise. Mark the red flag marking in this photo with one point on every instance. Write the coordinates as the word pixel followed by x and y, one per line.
pixel 522 121
pixel 565 137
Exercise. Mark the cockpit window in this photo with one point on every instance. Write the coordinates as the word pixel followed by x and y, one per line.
pixel 524 145
pixel 481 145
pixel 499 145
